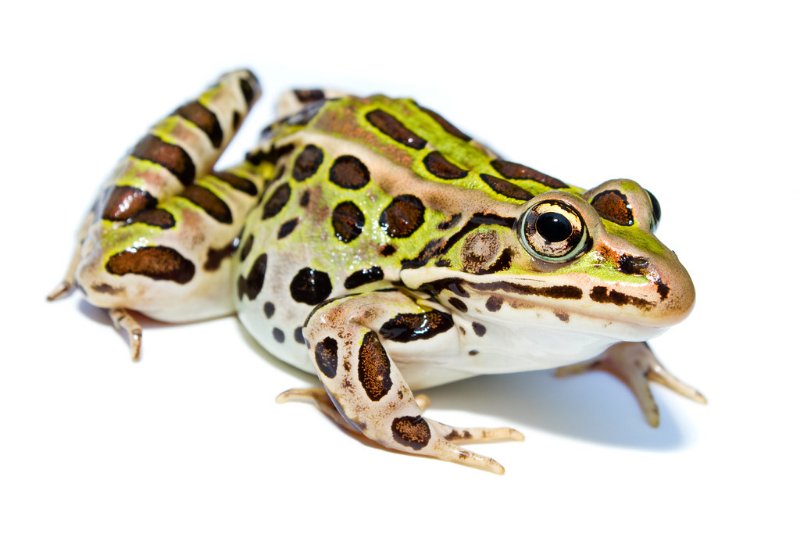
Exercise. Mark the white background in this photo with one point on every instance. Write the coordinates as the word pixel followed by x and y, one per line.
pixel 697 101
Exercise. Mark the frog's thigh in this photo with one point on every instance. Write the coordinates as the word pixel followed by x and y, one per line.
pixel 346 342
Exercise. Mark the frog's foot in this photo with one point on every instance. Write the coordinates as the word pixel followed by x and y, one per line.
pixel 368 394
pixel 636 365
pixel 123 320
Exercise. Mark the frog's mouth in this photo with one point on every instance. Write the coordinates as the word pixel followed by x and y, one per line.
pixel 651 304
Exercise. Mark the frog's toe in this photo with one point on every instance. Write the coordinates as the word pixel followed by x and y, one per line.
pixel 123 320
pixel 636 366
pixel 483 435
pixel 470 459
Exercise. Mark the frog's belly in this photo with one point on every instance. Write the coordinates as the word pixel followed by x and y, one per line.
pixel 506 348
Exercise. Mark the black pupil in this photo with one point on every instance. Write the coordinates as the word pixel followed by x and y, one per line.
pixel 553 227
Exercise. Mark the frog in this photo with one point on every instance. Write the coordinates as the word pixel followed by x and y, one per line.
pixel 373 243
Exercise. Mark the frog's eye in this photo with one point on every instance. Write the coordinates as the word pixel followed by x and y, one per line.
pixel 656 209
pixel 553 231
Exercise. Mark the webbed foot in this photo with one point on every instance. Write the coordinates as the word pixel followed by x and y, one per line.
pixel 637 366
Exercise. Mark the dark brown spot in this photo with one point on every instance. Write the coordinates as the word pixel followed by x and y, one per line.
pixel 310 286
pixel 237 182
pixel 326 353
pixel 107 289
pixel 403 216
pixel 236 120
pixel 395 129
pixel 287 228
pixel 563 316
pixel 494 302
pixel 203 118
pixel 411 431
pixel 276 201
pixel 429 251
pixel 298 335
pixel 307 163
pixel 216 256
pixel 663 289
pixel 278 334
pixel 445 124
pixel 250 88
pixel 155 217
pixel 309 95
pixel 158 263
pixel 454 285
pixel 505 188
pixel 449 223
pixel 454 435
pixel 304 198
pixel 125 201
pixel 374 367
pixel 248 245
pixel 172 157
pixel 255 278
pixel 240 287
pixel 517 171
pixel 480 330
pixel 348 221
pixel 209 202
pixel 405 327
pixel 458 304
pixel 364 276
pixel 269 309
pixel 633 264
pixel 349 172
pixel 440 167
pixel 613 206
pixel 275 153
pixel 603 295
pixel 473 352
pixel 387 250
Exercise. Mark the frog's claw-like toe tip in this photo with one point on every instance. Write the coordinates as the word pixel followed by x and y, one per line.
pixel 63 289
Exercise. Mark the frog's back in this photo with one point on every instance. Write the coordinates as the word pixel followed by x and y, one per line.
pixel 364 188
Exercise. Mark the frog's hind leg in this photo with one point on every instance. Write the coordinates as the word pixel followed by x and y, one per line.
pixel 350 343
pixel 164 227
pixel 636 366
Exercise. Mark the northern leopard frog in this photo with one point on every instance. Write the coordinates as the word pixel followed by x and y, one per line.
pixel 372 242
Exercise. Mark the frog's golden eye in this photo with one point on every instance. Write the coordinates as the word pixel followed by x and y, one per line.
pixel 553 231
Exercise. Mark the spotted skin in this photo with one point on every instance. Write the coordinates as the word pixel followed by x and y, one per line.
pixel 372 242
pixel 165 228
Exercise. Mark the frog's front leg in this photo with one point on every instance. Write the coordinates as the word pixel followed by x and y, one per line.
pixel 636 365
pixel 351 341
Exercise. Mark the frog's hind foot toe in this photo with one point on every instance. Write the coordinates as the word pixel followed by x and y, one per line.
pixel 636 366
pixel 123 320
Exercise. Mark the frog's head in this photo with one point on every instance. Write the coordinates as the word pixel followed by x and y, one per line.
pixel 590 255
